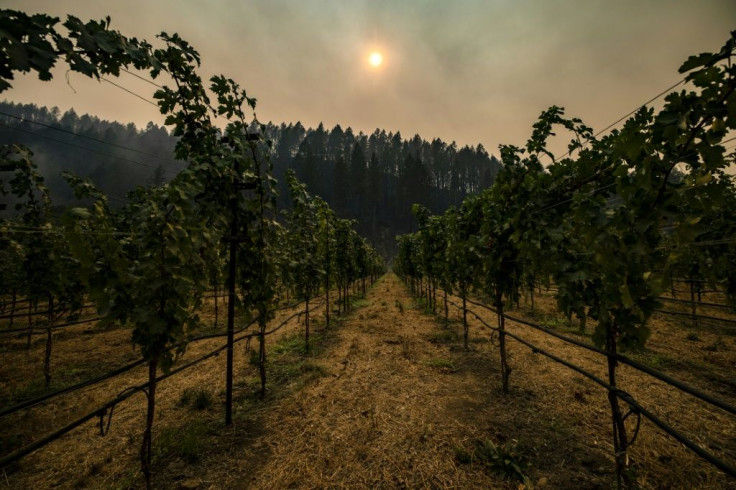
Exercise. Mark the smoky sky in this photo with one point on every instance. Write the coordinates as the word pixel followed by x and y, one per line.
pixel 464 70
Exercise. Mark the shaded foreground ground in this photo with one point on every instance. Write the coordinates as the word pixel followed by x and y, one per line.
pixel 388 399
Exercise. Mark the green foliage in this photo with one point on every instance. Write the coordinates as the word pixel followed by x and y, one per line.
pixel 607 222
pixel 441 364
pixel 42 267
pixel 292 345
pixel 505 459
pixel 197 398
pixel 143 264
pixel 304 243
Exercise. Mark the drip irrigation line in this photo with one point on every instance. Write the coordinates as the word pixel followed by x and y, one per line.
pixel 69 389
pixel 543 329
pixel 91 138
pixel 25 450
pixel 688 281
pixel 702 291
pixel 116 372
pixel 538 350
pixel 38 313
pixel 90 382
pixel 718 463
pixel 623 359
pixel 680 291
pixel 102 410
pixel 98 412
pixel 626 398
pixel 698 316
pixel 701 244
pixel 19 300
pixel 697 303
pixel 41 329
pixel 677 384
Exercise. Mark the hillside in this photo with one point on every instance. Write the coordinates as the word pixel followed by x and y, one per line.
pixel 371 178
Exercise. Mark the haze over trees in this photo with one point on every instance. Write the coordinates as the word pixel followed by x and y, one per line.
pixel 372 178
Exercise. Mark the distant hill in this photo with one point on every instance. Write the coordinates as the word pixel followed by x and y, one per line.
pixel 372 178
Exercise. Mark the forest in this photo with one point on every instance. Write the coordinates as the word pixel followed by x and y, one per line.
pixel 373 179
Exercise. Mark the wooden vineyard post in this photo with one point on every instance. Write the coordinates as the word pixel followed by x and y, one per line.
pixel 262 355
pixel 30 324
pixel 692 304
pixel 620 439
pixel 217 292
pixel 12 308
pixel 327 300
pixel 505 369
pixel 146 446
pixel 232 271
pixel 465 324
pixel 447 313
pixel 306 326
pixel 531 296
pixel 47 355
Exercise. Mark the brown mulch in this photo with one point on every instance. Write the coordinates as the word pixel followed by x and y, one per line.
pixel 391 400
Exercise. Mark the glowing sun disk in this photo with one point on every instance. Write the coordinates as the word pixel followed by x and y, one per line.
pixel 375 59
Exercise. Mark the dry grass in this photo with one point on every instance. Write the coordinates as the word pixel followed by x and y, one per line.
pixel 388 399
pixel 573 404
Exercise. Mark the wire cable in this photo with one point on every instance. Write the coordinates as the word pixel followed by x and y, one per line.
pixel 664 92
pixel 636 365
pixel 91 138
pixel 73 145
pixel 151 82
pixel 147 101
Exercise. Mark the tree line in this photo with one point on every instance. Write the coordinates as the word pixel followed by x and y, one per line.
pixel 373 178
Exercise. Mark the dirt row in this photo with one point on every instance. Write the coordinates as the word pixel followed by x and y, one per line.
pixel 389 399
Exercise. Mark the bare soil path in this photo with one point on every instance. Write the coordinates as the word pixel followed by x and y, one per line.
pixel 389 399
pixel 392 412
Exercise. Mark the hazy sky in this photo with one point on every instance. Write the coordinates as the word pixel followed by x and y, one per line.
pixel 464 70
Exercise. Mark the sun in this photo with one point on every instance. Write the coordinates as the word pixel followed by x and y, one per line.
pixel 375 59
